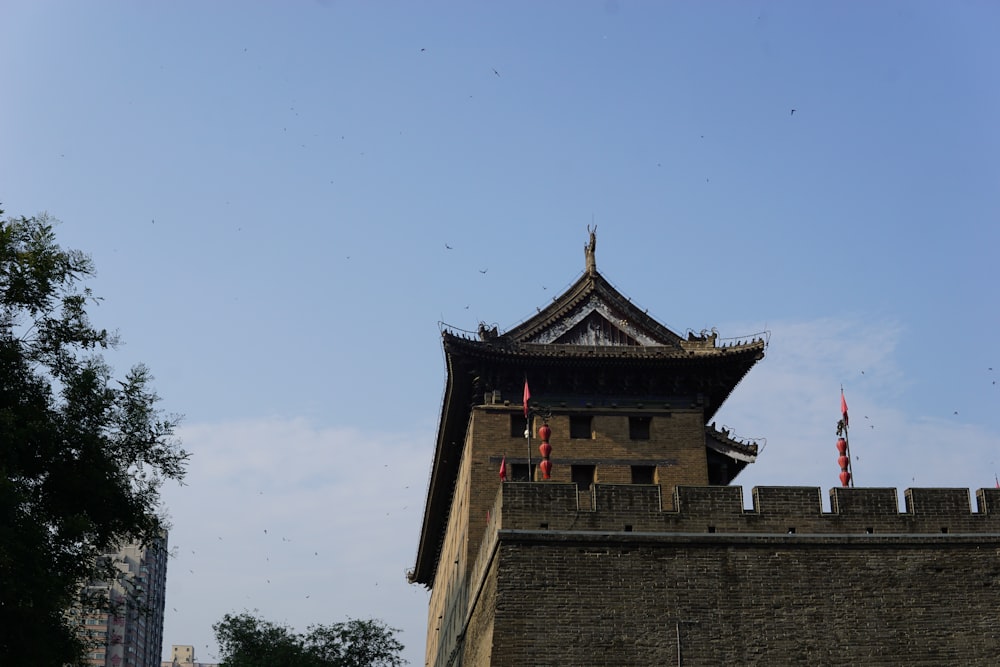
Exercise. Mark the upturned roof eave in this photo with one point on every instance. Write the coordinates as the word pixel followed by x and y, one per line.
pixel 443 476
pixel 505 347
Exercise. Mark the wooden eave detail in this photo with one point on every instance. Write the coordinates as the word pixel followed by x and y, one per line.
pixel 721 442
pixel 592 288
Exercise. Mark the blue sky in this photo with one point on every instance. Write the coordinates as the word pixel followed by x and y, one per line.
pixel 268 190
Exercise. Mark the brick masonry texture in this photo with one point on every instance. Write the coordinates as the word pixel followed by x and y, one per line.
pixel 627 583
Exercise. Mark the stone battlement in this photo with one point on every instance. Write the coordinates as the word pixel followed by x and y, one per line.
pixel 719 509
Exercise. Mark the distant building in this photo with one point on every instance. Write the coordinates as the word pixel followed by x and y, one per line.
pixel 615 538
pixel 129 633
pixel 182 655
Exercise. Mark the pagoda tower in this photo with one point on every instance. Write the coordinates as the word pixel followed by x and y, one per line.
pixel 611 534
pixel 613 397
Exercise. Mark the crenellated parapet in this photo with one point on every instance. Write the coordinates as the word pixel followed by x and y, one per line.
pixel 792 510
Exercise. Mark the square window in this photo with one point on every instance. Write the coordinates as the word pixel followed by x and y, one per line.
pixel 583 476
pixel 638 428
pixel 518 425
pixel 519 472
pixel 580 427
pixel 643 474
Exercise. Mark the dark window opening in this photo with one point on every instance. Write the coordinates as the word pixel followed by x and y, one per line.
pixel 583 476
pixel 711 529
pixel 580 427
pixel 519 472
pixel 628 528
pixel 944 529
pixel 638 428
pixel 643 474
pixel 518 424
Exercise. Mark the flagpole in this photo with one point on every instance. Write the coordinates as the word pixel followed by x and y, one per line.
pixel 527 441
pixel 850 462
pixel 527 425
pixel 847 441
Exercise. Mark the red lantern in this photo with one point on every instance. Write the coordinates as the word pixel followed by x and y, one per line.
pixel 842 446
pixel 544 432
pixel 843 461
pixel 546 467
pixel 545 449
pixel 845 477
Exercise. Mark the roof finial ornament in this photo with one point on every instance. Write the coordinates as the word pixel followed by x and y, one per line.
pixel 588 251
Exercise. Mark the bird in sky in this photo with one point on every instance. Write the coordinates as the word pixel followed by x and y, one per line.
pixel 448 247
pixel 483 271
pixel 496 72
pixel 793 113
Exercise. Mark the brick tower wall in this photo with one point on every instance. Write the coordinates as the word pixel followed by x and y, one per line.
pixel 675 447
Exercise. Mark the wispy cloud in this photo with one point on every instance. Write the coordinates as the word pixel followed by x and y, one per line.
pixel 792 399
pixel 306 524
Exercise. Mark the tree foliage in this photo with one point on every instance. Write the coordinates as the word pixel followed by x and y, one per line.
pixel 246 640
pixel 82 455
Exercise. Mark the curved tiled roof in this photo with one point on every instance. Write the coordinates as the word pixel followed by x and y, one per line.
pixel 592 286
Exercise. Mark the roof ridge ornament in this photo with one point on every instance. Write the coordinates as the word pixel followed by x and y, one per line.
pixel 588 252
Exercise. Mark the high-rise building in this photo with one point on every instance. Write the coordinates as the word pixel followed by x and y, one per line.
pixel 579 513
pixel 128 631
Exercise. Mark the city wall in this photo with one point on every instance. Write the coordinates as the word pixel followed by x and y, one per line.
pixel 709 582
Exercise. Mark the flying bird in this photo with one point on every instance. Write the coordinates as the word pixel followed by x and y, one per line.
pixel 793 113
pixel 448 247
pixel 483 271
pixel 496 72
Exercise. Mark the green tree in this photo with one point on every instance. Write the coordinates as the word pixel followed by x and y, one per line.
pixel 246 640
pixel 82 455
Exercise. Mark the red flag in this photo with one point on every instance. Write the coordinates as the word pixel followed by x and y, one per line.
pixel 843 406
pixel 527 396
pixel 503 468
